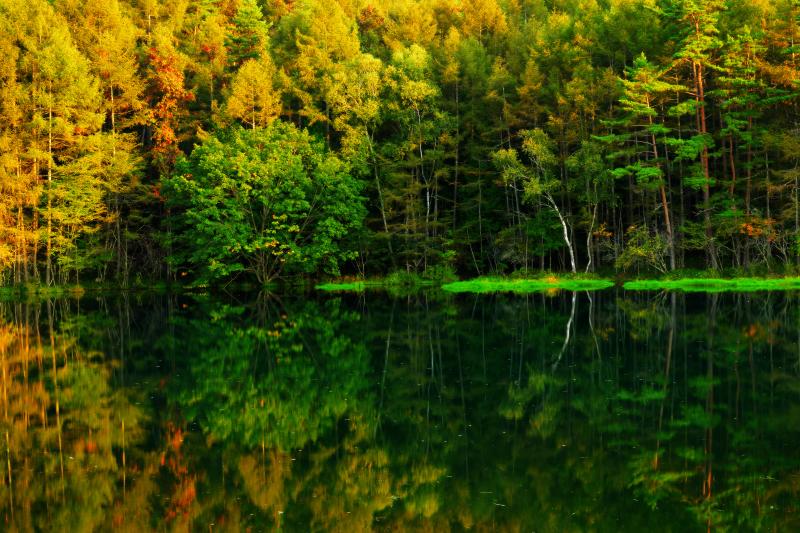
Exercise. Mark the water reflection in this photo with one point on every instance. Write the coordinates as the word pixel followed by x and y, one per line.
pixel 561 412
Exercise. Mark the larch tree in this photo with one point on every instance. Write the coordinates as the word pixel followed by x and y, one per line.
pixel 108 38
pixel 62 110
pixel 254 98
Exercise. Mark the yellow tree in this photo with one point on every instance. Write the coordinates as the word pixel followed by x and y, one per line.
pixel 254 99
pixel 60 109
pixel 106 35
pixel 15 185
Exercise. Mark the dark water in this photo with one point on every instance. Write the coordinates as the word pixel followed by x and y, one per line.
pixel 562 412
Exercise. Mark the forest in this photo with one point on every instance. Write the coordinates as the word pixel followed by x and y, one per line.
pixel 205 141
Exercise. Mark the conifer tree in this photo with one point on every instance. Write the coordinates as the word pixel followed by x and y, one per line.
pixel 254 99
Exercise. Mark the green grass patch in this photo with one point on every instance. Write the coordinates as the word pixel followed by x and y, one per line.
pixel 397 282
pixel 716 284
pixel 349 286
pixel 486 285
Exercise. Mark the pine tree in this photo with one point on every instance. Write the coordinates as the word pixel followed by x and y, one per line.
pixel 698 23
pixel 644 91
pixel 248 36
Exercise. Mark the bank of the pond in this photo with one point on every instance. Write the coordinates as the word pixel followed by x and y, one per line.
pixel 349 286
pixel 398 281
pixel 409 284
pixel 487 284
pixel 715 284
pixel 35 292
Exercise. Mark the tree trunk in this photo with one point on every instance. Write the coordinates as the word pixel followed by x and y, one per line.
pixel 565 229
pixel 702 129
pixel 49 263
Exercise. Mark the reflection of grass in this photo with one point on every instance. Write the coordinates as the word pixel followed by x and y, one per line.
pixel 34 292
pixel 527 285
pixel 716 285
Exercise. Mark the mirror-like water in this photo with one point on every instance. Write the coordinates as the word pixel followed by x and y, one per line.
pixel 564 412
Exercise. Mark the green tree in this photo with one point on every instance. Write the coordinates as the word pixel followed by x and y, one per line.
pixel 698 31
pixel 537 178
pixel 267 202
pixel 248 37
pixel 644 92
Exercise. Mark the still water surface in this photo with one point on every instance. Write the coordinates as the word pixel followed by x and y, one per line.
pixel 609 411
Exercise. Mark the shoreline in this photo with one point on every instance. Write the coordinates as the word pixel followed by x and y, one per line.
pixel 479 285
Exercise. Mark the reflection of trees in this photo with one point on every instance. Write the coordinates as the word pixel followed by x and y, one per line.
pixel 559 412
pixel 713 450
pixel 279 381
pixel 60 422
pixel 651 397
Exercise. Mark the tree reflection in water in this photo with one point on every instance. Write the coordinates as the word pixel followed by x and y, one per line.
pixel 554 412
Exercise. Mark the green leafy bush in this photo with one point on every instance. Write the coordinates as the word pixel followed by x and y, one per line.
pixel 267 202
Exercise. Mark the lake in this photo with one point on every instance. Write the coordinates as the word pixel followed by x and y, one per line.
pixel 560 411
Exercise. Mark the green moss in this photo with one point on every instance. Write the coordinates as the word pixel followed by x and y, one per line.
pixel 483 285
pixel 716 284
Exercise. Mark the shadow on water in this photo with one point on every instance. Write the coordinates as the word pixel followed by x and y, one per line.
pixel 604 411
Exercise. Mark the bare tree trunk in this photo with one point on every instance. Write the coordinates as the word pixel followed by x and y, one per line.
pixel 565 228
pixel 49 263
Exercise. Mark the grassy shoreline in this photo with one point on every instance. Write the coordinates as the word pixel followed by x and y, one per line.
pixel 409 283
pixel 76 291
pixel 350 286
pixel 745 284
pixel 526 285
pixel 569 282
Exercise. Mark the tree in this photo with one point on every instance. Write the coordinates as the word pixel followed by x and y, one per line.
pixel 253 98
pixel 61 112
pixel 699 33
pixel 248 38
pixel 266 202
pixel 537 179
pixel 169 96
pixel 644 91
pixel 108 38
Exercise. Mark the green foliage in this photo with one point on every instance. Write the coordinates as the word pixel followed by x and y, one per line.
pixel 643 249
pixel 267 201
pixel 488 137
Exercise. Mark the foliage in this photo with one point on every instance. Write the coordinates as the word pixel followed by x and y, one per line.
pixel 487 137
pixel 264 201
pixel 643 249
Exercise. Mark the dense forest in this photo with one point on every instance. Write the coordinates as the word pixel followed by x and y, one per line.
pixel 211 140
